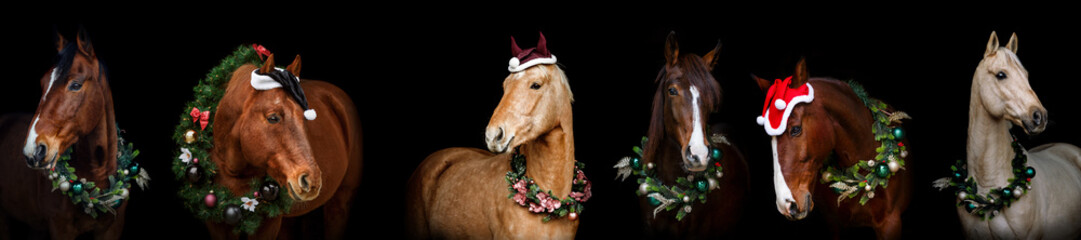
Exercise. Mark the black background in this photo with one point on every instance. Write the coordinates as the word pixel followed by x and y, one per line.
pixel 420 87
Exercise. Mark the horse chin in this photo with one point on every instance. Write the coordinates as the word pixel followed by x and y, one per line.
pixel 297 197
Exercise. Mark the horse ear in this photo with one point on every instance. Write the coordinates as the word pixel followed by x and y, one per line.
pixel 295 66
pixel 800 77
pixel 514 49
pixel 83 39
pixel 268 66
pixel 992 45
pixel 671 49
pixel 59 40
pixel 762 83
pixel 711 57
pixel 1012 44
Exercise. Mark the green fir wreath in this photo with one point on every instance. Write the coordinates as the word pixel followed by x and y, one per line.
pixel 682 195
pixel 194 136
pixel 87 195
pixel 987 206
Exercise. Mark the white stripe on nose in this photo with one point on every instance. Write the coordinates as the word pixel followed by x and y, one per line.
pixel 784 195
pixel 698 138
pixel 32 133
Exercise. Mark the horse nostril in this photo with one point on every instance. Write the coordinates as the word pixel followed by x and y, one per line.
pixel 793 209
pixel 39 153
pixel 1037 118
pixel 499 136
pixel 690 156
pixel 304 182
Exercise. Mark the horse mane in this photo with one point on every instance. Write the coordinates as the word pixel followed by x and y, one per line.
pixel 698 74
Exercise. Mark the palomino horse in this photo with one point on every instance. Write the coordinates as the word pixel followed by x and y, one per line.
pixel 265 132
pixel 679 145
pixel 835 125
pixel 1002 98
pixel 75 110
pixel 462 192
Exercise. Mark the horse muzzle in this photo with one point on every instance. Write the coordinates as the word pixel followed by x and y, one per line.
pixel 1037 122
pixel 497 139
pixel 39 157
pixel 793 211
pixel 305 187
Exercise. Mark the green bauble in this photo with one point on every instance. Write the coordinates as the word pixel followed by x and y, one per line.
pixel 716 154
pixel 882 170
pixel 653 201
pixel 134 169
pixel 702 185
pixel 77 188
pixel 1007 193
pixel 636 163
pixel 1030 172
pixel 969 207
pixel 898 133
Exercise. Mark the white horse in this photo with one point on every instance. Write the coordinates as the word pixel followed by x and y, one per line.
pixel 1001 98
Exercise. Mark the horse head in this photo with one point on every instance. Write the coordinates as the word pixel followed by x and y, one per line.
pixel 802 139
pixel 686 94
pixel 272 133
pixel 75 97
pixel 1001 85
pixel 536 99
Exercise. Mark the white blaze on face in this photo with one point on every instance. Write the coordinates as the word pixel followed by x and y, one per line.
pixel 32 134
pixel 697 143
pixel 784 195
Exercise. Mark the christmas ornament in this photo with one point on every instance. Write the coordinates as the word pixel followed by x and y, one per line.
pixel 193 174
pixel 572 216
pixel 84 194
pixel 210 200
pixel 189 136
pixel 231 214
pixel 201 117
pixel 525 192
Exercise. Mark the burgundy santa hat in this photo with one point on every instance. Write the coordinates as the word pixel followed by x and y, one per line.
pixel 780 100
pixel 523 59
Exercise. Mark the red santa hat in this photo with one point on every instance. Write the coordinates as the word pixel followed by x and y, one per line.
pixel 523 59
pixel 780 100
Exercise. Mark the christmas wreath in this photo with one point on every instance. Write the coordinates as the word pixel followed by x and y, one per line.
pixel 988 205
pixel 88 195
pixel 687 190
pixel 207 200
pixel 527 194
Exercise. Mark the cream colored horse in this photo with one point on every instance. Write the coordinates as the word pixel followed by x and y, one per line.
pixel 1001 98
pixel 459 193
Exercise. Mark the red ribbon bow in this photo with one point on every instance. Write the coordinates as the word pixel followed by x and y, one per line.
pixel 203 117
pixel 262 51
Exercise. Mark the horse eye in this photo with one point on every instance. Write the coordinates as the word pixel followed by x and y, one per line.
pixel 796 130
pixel 273 118
pixel 672 91
pixel 75 86
pixel 1000 75
pixel 535 86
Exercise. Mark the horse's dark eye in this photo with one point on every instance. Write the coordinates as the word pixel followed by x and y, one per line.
pixel 273 118
pixel 1000 75
pixel 672 91
pixel 535 86
pixel 795 131
pixel 75 86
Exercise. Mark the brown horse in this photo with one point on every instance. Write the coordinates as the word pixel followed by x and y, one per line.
pixel 75 110
pixel 837 125
pixel 461 192
pixel 264 132
pixel 686 95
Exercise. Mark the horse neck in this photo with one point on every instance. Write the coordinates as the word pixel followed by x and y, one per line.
pixel 988 149
pixel 96 151
pixel 550 157
pixel 234 172
pixel 853 140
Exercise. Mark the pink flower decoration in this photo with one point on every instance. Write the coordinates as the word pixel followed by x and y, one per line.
pixel 577 196
pixel 533 207
pixel 520 198
pixel 520 186
pixel 588 191
pixel 581 176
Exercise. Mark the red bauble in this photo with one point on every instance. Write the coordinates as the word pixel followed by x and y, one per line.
pixel 210 200
pixel 572 216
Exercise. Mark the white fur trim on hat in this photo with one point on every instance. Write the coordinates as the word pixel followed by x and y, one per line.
pixel 264 82
pixel 309 114
pixel 522 67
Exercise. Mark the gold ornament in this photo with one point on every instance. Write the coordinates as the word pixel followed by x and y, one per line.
pixel 189 136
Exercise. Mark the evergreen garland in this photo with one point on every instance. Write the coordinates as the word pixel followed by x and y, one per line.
pixel 988 205
pixel 868 175
pixel 87 195
pixel 195 167
pixel 527 194
pixel 688 190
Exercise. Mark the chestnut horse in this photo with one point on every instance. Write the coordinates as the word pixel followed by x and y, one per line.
pixel 837 125
pixel 264 132
pixel 461 192
pixel 686 95
pixel 75 110
pixel 1001 95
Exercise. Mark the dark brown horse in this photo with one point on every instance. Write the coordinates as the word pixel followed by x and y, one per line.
pixel 837 125
pixel 679 145
pixel 75 110
pixel 265 132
